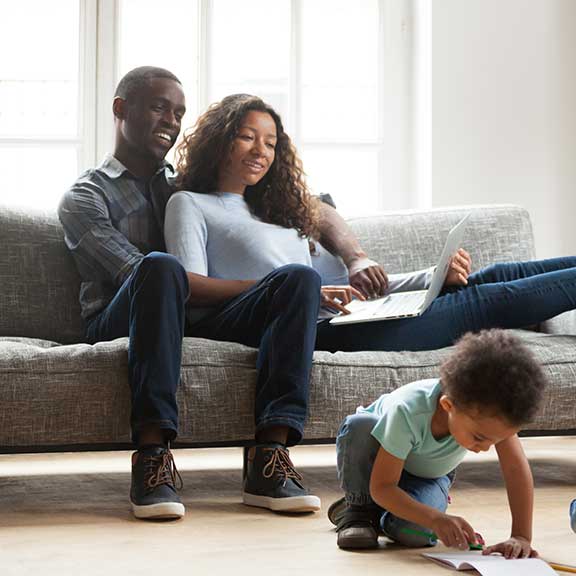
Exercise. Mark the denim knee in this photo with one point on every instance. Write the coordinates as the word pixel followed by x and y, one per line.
pixel 164 270
pixel 355 430
pixel 162 263
pixel 356 451
pixel 300 274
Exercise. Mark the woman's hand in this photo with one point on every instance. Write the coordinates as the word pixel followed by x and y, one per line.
pixel 454 531
pixel 368 276
pixel 514 547
pixel 460 268
pixel 336 297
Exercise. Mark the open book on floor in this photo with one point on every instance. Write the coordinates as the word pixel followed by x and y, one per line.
pixel 491 565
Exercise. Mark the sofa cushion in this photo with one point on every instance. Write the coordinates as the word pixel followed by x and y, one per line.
pixel 55 395
pixel 38 279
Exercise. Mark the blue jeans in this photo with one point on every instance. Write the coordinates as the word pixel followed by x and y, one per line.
pixel 573 515
pixel 512 295
pixel 278 315
pixel 149 308
pixel 356 450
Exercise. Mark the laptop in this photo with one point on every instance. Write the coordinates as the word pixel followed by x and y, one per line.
pixel 406 304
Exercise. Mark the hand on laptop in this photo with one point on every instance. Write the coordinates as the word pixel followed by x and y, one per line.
pixel 460 268
pixel 336 297
pixel 369 277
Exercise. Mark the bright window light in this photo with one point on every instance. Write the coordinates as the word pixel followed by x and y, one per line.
pixel 319 63
pixel 349 175
pixel 37 176
pixel 39 94
pixel 340 71
pixel 250 51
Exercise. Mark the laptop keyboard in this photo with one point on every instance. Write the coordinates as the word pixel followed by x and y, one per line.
pixel 401 304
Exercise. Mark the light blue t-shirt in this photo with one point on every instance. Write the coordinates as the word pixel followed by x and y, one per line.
pixel 217 235
pixel 404 429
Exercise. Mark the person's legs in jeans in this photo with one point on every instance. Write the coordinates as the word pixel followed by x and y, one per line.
pixel 149 308
pixel 278 316
pixel 356 516
pixel 510 271
pixel 501 296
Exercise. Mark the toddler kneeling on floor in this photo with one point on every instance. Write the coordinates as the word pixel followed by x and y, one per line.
pixel 397 457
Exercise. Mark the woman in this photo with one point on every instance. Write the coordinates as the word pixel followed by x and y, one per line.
pixel 242 231
pixel 250 278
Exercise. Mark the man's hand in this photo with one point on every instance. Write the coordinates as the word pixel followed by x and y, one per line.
pixel 514 547
pixel 460 268
pixel 368 277
pixel 336 297
pixel 454 531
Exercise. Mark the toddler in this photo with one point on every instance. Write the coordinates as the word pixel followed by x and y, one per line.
pixel 397 457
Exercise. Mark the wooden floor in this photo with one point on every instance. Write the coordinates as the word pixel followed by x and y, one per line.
pixel 68 514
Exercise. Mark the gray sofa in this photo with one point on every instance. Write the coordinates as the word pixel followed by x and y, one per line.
pixel 58 393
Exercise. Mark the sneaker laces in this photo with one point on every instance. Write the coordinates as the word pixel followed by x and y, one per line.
pixel 281 465
pixel 160 470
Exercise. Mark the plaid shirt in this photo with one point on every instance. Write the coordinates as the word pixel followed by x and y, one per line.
pixel 111 220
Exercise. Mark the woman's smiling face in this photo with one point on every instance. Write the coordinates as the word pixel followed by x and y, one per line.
pixel 251 154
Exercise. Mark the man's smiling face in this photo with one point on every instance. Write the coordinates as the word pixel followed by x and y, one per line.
pixel 151 119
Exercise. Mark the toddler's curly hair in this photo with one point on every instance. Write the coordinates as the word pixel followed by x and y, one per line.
pixel 493 372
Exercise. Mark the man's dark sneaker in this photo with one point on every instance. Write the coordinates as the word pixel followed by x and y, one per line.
pixel 271 481
pixel 153 491
pixel 358 527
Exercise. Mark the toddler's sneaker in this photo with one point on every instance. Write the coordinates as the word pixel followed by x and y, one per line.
pixel 153 493
pixel 358 527
pixel 271 481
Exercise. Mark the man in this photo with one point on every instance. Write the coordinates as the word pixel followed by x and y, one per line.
pixel 113 218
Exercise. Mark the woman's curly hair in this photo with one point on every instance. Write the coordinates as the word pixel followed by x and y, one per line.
pixel 280 197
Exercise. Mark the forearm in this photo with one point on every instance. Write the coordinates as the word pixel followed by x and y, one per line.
pixel 336 236
pixel 400 504
pixel 519 485
pixel 520 490
pixel 206 291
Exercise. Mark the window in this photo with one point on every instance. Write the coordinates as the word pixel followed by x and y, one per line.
pixel 40 125
pixel 338 72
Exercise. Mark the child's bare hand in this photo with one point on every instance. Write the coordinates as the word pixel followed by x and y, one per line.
pixel 454 531
pixel 514 547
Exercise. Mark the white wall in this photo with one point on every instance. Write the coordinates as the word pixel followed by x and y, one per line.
pixel 504 110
